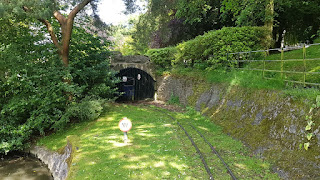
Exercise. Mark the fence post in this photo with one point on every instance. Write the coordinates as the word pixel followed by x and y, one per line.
pixel 304 65
pixel 238 65
pixel 264 63
pixel 282 57
pixel 249 60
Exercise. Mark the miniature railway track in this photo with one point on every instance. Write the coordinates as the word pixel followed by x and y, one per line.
pixel 213 150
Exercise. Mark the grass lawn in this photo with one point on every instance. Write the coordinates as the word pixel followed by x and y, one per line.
pixel 312 52
pixel 157 148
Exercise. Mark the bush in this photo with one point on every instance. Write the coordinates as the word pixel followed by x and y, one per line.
pixel 33 97
pixel 88 109
pixel 162 57
pixel 34 101
pixel 214 45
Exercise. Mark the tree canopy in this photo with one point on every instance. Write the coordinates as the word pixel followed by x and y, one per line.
pixel 169 22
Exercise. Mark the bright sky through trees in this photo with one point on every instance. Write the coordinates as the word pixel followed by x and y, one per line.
pixel 111 11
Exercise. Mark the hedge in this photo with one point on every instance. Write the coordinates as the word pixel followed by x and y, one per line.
pixel 162 57
pixel 212 47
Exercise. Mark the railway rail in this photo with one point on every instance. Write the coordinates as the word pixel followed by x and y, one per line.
pixel 202 156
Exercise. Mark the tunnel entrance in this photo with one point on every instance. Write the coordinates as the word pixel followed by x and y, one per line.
pixel 135 84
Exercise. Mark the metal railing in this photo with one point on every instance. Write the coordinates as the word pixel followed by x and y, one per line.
pixel 247 57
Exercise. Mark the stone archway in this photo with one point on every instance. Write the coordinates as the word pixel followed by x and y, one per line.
pixel 119 62
pixel 137 75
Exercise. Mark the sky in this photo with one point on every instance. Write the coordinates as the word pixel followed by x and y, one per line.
pixel 111 11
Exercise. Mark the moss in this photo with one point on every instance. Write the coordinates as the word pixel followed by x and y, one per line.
pixel 271 136
pixel 73 141
pixel 198 89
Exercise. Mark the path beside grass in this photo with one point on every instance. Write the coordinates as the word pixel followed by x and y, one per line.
pixel 157 148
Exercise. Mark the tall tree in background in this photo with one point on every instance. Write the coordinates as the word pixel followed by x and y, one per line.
pixel 294 21
pixel 168 22
pixel 299 19
pixel 269 17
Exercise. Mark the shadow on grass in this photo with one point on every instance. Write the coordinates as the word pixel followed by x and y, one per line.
pixel 152 152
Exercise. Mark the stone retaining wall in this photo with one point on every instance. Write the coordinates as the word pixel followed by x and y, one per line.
pixel 57 163
pixel 270 123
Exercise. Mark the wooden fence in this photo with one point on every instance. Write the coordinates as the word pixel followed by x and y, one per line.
pixel 247 57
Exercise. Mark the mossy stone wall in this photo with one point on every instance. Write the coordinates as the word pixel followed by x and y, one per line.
pixel 267 121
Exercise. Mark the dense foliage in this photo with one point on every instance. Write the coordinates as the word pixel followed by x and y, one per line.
pixel 169 22
pixel 34 95
pixel 162 57
pixel 213 46
pixel 210 49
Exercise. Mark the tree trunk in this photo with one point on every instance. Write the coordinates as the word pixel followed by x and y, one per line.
pixel 269 18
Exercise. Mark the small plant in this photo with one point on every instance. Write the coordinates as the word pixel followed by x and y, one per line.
pixel 310 124
pixel 174 99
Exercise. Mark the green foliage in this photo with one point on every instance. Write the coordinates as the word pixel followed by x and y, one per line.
pixel 162 57
pixel 174 99
pixel 244 13
pixel 168 22
pixel 298 93
pixel 204 14
pixel 310 124
pixel 33 98
pixel 213 46
pixel 89 66
pixel 87 109
pixel 142 33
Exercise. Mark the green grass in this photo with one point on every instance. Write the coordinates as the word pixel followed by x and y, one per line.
pixel 157 148
pixel 254 79
pixel 312 52
pixel 249 79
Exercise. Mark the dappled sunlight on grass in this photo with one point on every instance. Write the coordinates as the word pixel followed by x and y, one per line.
pixel 150 152
pixel 145 126
pixel 203 128
pixel 120 144
pixel 156 149
pixel 241 166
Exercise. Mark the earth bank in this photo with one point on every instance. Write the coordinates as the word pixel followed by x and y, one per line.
pixel 271 124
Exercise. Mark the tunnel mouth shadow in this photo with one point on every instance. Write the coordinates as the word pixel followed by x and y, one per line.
pixel 135 84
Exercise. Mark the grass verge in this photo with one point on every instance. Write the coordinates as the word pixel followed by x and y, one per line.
pixel 248 79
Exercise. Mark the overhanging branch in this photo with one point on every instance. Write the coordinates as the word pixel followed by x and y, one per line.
pixel 51 32
pixel 80 6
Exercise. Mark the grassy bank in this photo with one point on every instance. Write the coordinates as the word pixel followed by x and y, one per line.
pixel 248 79
pixel 157 148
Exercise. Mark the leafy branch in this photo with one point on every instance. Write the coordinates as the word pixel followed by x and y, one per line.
pixel 310 124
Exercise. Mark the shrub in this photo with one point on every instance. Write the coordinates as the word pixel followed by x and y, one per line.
pixel 87 109
pixel 214 45
pixel 162 57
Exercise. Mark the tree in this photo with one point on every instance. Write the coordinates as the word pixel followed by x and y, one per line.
pixel 299 19
pixel 168 22
pixel 66 25
pixel 44 10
